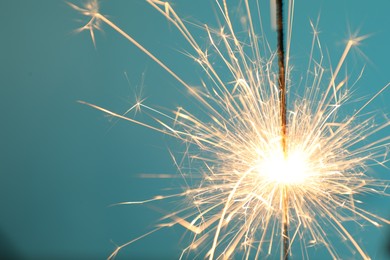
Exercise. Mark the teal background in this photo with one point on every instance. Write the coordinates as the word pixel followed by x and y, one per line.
pixel 62 164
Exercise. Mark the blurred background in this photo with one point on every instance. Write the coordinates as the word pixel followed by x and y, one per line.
pixel 63 164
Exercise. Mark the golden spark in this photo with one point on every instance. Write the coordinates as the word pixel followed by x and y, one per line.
pixel 238 204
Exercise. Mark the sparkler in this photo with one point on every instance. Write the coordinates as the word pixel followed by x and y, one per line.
pixel 283 115
pixel 258 182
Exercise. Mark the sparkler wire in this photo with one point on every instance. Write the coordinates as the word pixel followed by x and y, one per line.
pixel 283 110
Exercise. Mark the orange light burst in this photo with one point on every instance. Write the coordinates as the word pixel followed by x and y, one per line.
pixel 237 205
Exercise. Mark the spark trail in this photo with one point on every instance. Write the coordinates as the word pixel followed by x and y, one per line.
pixel 245 165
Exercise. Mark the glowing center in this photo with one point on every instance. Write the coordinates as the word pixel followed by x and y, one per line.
pixel 290 170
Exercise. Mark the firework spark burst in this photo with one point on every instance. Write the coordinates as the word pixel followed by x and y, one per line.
pixel 240 173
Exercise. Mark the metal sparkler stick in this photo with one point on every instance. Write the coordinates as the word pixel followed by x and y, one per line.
pixel 283 117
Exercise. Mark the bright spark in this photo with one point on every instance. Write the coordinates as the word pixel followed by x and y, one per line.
pixel 235 149
pixel 294 169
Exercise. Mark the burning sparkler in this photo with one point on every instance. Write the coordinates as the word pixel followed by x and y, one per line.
pixel 262 189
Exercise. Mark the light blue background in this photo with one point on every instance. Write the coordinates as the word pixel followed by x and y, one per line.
pixel 62 164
